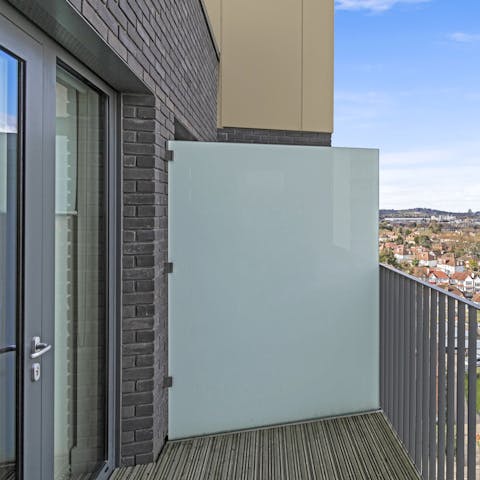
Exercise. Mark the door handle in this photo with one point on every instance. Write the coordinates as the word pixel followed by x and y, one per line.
pixel 8 348
pixel 38 348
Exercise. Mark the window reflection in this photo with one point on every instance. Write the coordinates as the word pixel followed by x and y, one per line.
pixel 80 286
pixel 9 78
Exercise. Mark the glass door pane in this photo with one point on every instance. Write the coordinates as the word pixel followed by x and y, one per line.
pixel 9 78
pixel 80 416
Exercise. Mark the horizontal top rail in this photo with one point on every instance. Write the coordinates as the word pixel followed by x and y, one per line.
pixel 429 285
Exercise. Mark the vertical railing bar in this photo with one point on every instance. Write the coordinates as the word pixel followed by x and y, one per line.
pixel 450 387
pixel 406 370
pixel 391 301
pixel 381 331
pixel 460 456
pixel 418 377
pixel 472 392
pixel 385 339
pixel 401 361
pixel 441 387
pixel 395 356
pixel 425 381
pixel 433 384
pixel 399 357
pixel 413 384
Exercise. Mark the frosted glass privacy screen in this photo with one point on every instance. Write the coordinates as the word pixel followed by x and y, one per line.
pixel 273 299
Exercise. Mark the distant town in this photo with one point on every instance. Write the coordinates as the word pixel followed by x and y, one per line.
pixel 442 248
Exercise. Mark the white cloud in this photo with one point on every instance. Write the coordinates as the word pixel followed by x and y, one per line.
pixel 444 177
pixel 463 37
pixel 372 5
pixel 8 123
pixel 362 110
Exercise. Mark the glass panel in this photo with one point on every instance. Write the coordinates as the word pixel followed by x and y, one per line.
pixel 80 280
pixel 273 304
pixel 9 77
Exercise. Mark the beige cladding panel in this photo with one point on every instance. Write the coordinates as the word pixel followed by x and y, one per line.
pixel 214 9
pixel 317 101
pixel 261 64
pixel 276 68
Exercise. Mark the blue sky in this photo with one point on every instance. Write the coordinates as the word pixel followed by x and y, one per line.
pixel 8 92
pixel 407 81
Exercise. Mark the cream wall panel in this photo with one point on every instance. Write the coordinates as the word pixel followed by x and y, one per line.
pixel 276 68
pixel 261 64
pixel 317 101
pixel 214 9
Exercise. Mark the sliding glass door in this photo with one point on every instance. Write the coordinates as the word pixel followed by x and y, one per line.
pixel 58 262
pixel 81 376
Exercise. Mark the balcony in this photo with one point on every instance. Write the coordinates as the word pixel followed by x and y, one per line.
pixel 308 378
pixel 426 428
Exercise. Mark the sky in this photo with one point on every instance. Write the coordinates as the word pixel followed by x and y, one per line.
pixel 407 81
pixel 8 93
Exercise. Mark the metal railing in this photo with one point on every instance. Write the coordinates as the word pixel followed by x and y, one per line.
pixel 428 374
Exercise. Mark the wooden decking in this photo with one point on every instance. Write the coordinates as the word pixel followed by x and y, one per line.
pixel 7 472
pixel 356 447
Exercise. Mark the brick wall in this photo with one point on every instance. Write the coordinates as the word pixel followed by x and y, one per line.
pixel 279 137
pixel 168 45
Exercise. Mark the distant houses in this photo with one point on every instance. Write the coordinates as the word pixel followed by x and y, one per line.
pixel 441 249
pixel 468 284
pixel 438 277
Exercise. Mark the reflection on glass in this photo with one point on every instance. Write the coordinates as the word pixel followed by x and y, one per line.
pixel 80 259
pixel 8 234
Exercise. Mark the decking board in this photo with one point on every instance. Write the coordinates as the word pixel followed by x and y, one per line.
pixel 356 447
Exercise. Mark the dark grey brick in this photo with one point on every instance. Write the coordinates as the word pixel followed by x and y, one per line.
pixel 138 298
pixel 142 435
pixel 136 423
pixel 136 348
pixel 138 372
pixel 137 323
pixel 144 458
pixel 144 386
pixel 145 286
pixel 128 412
pixel 278 137
pixel 140 273
pixel 137 447
pixel 143 410
pixel 130 399
pixel 128 437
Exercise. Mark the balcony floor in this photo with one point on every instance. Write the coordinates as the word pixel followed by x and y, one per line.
pixel 356 447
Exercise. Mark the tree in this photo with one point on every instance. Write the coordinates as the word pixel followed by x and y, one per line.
pixel 387 256
pixel 474 265
pixel 423 240
pixel 435 227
